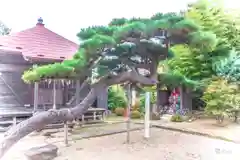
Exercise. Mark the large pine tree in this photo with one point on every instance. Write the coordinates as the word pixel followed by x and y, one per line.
pixel 118 50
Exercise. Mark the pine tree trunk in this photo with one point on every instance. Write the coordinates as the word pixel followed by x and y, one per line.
pixel 41 119
pixel 38 121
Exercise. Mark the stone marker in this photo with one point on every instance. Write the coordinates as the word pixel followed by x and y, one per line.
pixel 44 152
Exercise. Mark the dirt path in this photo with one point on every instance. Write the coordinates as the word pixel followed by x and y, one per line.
pixel 228 130
pixel 163 144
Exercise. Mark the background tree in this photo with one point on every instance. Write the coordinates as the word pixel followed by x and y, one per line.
pixel 118 51
pixel 221 97
pixel 197 64
pixel 222 94
pixel 4 30
pixel 116 97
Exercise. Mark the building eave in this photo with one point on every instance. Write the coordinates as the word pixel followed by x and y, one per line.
pixel 7 50
pixel 41 59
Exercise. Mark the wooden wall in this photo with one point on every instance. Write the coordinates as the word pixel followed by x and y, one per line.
pixel 13 90
pixel 102 99
pixel 187 100
pixel 18 93
pixel 162 97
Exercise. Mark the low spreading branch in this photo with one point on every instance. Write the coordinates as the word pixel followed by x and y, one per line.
pixel 41 119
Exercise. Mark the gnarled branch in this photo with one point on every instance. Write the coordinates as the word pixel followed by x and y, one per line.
pixel 41 119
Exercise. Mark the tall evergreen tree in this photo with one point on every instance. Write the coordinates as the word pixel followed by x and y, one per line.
pixel 217 68
pixel 197 64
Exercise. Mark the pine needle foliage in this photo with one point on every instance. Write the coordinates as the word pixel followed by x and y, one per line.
pixel 118 44
pixel 229 67
pixel 173 80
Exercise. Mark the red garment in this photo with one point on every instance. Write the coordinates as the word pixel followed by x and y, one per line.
pixel 175 93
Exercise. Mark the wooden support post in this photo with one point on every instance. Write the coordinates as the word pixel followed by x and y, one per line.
pixel 77 92
pixel 66 134
pixel 94 115
pixel 181 97
pixel 65 93
pixel 14 121
pixel 133 96
pixel 83 120
pixel 35 99
pixel 54 94
pixel 147 116
pixel 103 115
pixel 77 96
pixel 128 113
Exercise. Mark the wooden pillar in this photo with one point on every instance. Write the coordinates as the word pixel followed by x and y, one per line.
pixel 83 119
pixel 77 92
pixel 129 112
pixel 66 134
pixel 65 93
pixel 77 96
pixel 147 115
pixel 181 97
pixel 14 121
pixel 187 100
pixel 158 95
pixel 94 116
pixel 102 99
pixel 133 97
pixel 35 100
pixel 54 94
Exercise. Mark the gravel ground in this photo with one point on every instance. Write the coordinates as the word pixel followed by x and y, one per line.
pixel 163 145
pixel 79 132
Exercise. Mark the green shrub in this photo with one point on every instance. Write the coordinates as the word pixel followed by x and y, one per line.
pixel 153 97
pixel 135 114
pixel 221 96
pixel 136 106
pixel 177 118
pixel 119 111
pixel 116 97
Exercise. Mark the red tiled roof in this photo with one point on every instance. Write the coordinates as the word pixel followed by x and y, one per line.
pixel 39 42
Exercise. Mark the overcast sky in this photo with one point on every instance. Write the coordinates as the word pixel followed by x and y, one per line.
pixel 67 17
